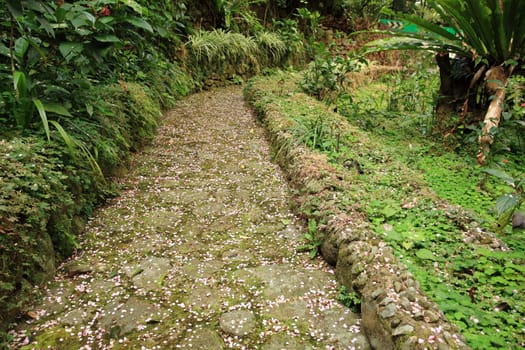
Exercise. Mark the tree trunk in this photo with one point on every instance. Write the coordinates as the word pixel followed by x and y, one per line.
pixel 496 82
pixel 454 104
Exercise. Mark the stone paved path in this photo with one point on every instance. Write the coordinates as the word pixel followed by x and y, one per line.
pixel 198 252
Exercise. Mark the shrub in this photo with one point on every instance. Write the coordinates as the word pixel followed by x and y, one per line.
pixel 326 75
pixel 33 205
pixel 273 49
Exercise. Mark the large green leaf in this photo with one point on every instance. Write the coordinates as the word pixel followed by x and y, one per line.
pixel 507 202
pixel 509 180
pixel 15 8
pixel 81 19
pixel 43 116
pixel 21 84
pixel 56 108
pixel 426 254
pixel 107 38
pixel 4 50
pixel 135 6
pixel 70 50
pixel 21 47
pixel 35 5
pixel 139 23
pixel 47 26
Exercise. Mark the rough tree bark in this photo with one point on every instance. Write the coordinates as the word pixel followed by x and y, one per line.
pixel 496 82
pixel 457 98
pixel 453 94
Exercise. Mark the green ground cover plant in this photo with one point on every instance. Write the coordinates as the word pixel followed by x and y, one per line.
pixel 424 199
pixel 474 283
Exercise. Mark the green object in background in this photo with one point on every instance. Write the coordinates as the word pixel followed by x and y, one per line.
pixel 406 27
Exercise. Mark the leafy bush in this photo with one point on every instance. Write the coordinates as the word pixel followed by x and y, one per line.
pixel 274 50
pixel 349 299
pixel 55 51
pixel 312 240
pixel 237 15
pixel 309 22
pixel 326 75
pixel 217 50
pixel 288 30
pixel 42 189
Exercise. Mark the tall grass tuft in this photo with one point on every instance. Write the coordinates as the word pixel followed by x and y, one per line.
pixel 273 48
pixel 228 53
pixel 212 48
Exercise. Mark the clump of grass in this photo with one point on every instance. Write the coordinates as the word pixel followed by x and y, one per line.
pixel 273 49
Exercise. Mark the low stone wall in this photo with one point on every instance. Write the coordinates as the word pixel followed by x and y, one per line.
pixel 396 314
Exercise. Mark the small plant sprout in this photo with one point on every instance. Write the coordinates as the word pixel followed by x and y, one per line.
pixel 312 240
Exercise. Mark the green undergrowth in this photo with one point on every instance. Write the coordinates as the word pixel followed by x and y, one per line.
pixel 48 190
pixel 433 206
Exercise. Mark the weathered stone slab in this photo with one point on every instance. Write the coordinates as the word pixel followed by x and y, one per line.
pixel 150 273
pixel 122 318
pixel 205 339
pixel 287 280
pixel 238 323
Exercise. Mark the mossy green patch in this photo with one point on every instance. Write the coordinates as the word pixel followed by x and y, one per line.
pixel 55 337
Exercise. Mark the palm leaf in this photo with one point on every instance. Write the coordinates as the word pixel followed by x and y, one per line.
pixel 72 144
pixel 68 140
pixel 43 116
pixel 491 30
pixel 413 43
pixel 429 28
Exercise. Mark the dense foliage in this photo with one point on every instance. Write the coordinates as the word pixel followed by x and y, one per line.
pixel 489 36
pixel 401 181
pixel 83 83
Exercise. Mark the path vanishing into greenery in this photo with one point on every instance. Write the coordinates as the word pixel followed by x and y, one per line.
pixel 198 252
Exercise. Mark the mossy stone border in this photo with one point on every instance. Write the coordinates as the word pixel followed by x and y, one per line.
pixel 396 314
